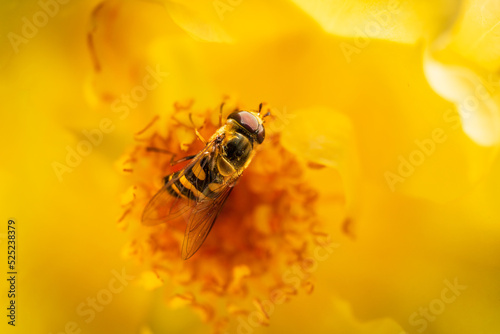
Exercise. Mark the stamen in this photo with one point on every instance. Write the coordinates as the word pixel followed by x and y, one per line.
pixel 150 124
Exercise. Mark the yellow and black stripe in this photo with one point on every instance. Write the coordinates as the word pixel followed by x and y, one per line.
pixel 196 182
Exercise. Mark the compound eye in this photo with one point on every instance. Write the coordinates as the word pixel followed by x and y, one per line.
pixel 246 120
pixel 261 134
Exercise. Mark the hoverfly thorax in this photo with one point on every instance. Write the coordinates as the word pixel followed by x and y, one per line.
pixel 236 149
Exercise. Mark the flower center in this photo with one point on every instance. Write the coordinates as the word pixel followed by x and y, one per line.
pixel 267 224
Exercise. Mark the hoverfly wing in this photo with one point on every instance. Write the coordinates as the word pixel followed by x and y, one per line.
pixel 202 219
pixel 164 207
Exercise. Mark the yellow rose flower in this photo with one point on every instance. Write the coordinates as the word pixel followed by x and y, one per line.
pixel 369 208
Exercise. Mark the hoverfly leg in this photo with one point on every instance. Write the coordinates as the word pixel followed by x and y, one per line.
pixel 174 162
pixel 172 159
pixel 198 134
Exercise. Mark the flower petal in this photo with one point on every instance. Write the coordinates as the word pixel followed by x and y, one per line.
pixel 408 252
pixel 394 20
pixel 324 137
pixel 474 98
pixel 477 34
pixel 199 19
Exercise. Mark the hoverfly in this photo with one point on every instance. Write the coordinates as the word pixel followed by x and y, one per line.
pixel 198 191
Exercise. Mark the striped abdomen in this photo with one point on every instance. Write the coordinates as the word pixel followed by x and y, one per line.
pixel 196 182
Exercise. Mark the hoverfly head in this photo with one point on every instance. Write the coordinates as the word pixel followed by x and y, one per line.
pixel 250 123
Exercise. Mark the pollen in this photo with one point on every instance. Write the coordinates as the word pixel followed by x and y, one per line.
pixel 267 226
